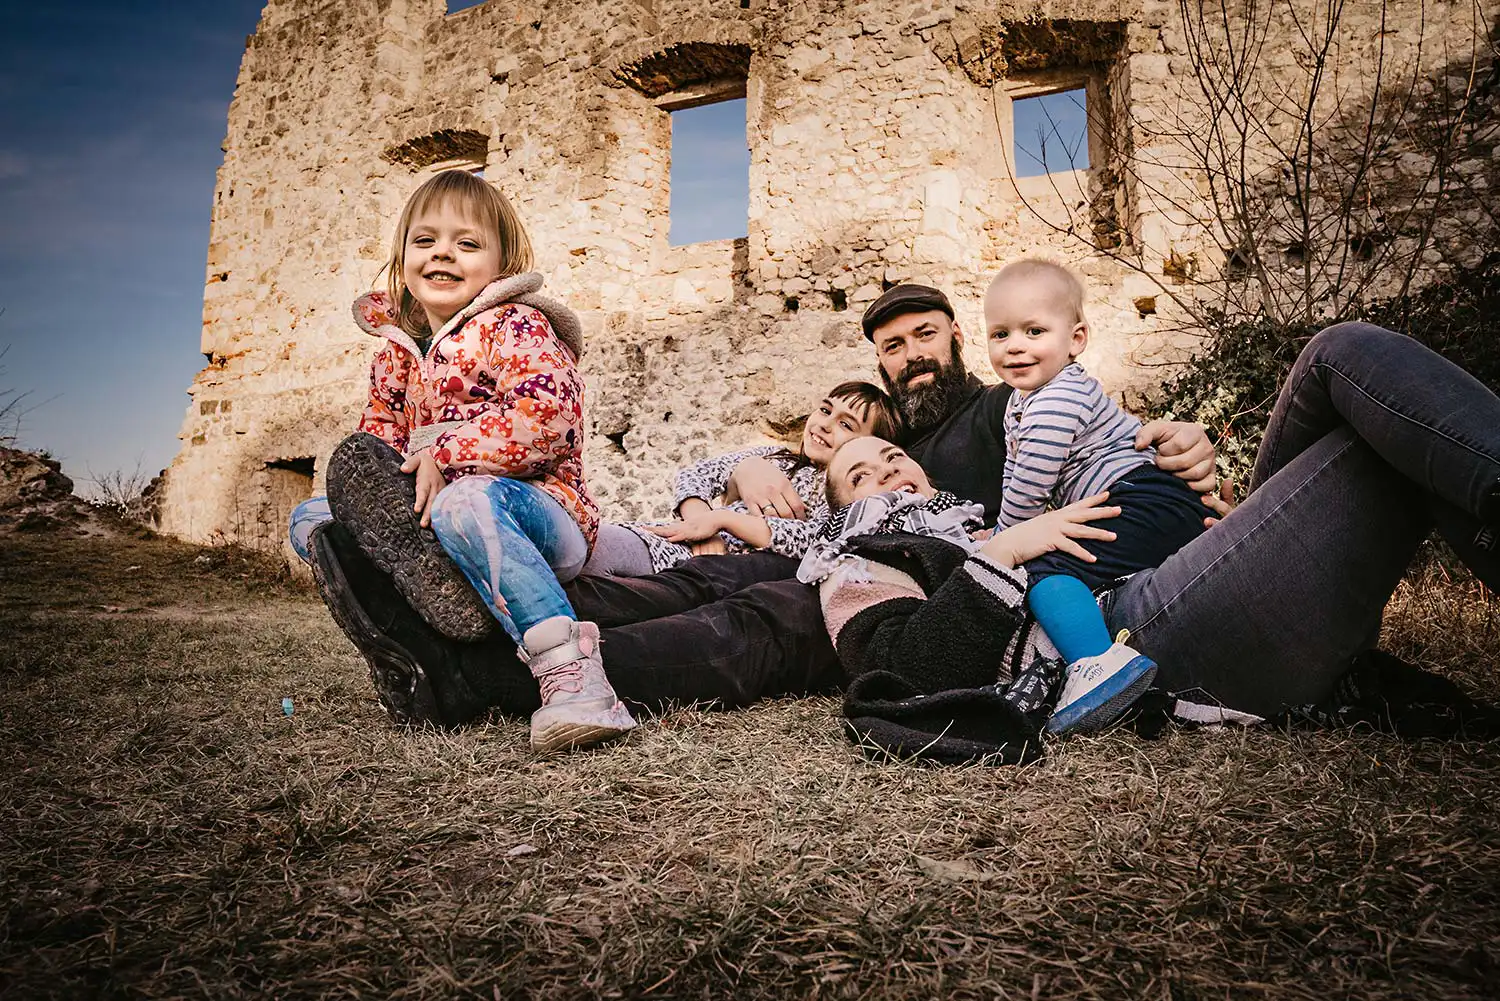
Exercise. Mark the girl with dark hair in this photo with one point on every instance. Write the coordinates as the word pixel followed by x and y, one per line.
pixel 850 410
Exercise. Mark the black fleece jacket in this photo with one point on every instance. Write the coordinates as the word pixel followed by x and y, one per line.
pixel 926 675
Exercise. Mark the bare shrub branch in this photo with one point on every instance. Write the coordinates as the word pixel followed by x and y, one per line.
pixel 124 493
pixel 1331 168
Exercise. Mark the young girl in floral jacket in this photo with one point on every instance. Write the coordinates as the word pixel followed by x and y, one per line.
pixel 470 452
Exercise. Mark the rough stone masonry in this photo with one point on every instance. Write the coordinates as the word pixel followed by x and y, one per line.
pixel 880 139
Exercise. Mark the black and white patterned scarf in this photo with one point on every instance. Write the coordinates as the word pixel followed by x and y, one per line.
pixel 942 516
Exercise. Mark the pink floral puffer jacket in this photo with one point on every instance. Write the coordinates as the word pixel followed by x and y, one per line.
pixel 499 368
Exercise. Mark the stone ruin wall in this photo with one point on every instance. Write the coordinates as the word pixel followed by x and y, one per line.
pixel 875 136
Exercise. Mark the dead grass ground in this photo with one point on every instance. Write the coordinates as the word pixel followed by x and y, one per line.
pixel 165 831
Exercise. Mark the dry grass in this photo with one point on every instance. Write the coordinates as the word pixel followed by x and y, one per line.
pixel 166 832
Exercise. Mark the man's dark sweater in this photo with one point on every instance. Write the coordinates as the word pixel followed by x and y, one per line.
pixel 965 454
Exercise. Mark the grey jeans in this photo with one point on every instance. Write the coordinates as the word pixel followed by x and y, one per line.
pixel 1374 441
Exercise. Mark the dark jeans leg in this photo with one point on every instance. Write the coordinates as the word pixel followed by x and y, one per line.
pixel 1266 609
pixel 765 640
pixel 1427 418
pixel 1373 439
pixel 729 630
pixel 615 601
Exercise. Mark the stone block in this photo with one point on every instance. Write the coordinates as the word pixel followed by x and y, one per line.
pixel 768 305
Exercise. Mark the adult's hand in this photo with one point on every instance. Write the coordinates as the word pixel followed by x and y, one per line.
pixel 765 489
pixel 429 482
pixel 693 527
pixel 1182 449
pixel 1057 530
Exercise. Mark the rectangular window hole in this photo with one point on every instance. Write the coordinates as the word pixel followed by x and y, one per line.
pixel 287 483
pixel 1051 133
pixel 710 175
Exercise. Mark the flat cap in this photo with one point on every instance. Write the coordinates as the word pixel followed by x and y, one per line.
pixel 903 299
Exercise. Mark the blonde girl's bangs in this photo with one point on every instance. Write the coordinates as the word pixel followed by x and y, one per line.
pixel 479 202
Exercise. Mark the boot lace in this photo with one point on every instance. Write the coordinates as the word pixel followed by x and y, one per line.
pixel 565 677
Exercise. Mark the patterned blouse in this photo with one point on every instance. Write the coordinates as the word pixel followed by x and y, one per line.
pixel 710 478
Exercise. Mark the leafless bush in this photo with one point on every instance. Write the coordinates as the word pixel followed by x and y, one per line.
pixel 127 494
pixel 12 406
pixel 1307 165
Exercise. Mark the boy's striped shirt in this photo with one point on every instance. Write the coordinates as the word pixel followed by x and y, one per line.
pixel 1064 442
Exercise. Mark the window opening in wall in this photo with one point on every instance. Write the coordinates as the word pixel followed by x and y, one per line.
pixel 302 465
pixel 710 175
pixel 454 6
pixel 287 483
pixel 446 149
pixel 1051 133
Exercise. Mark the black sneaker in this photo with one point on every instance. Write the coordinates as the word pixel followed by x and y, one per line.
pixel 1388 695
pixel 416 672
pixel 370 495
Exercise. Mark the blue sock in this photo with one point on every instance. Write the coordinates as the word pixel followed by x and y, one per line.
pixel 1066 609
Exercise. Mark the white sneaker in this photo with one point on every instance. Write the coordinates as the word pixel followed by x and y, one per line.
pixel 1099 689
pixel 579 706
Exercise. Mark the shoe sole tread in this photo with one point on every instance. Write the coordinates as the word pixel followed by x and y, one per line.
pixel 379 514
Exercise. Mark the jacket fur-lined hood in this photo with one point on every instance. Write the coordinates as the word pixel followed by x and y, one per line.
pixel 376 315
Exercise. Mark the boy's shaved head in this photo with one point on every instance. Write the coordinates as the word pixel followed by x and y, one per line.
pixel 1030 269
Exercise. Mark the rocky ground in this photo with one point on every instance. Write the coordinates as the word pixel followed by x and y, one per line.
pixel 36 496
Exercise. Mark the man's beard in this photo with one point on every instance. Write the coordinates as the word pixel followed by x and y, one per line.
pixel 926 406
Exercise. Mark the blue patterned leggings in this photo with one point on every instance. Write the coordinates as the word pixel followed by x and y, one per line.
pixel 512 540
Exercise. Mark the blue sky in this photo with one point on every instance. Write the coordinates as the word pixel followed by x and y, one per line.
pixel 710 183
pixel 1051 133
pixel 111 116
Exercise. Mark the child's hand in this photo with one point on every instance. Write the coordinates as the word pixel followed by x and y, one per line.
pixel 429 482
pixel 1053 531
pixel 1221 501
pixel 693 527
pixel 714 545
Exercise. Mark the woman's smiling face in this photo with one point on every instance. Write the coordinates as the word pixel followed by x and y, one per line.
pixel 867 466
